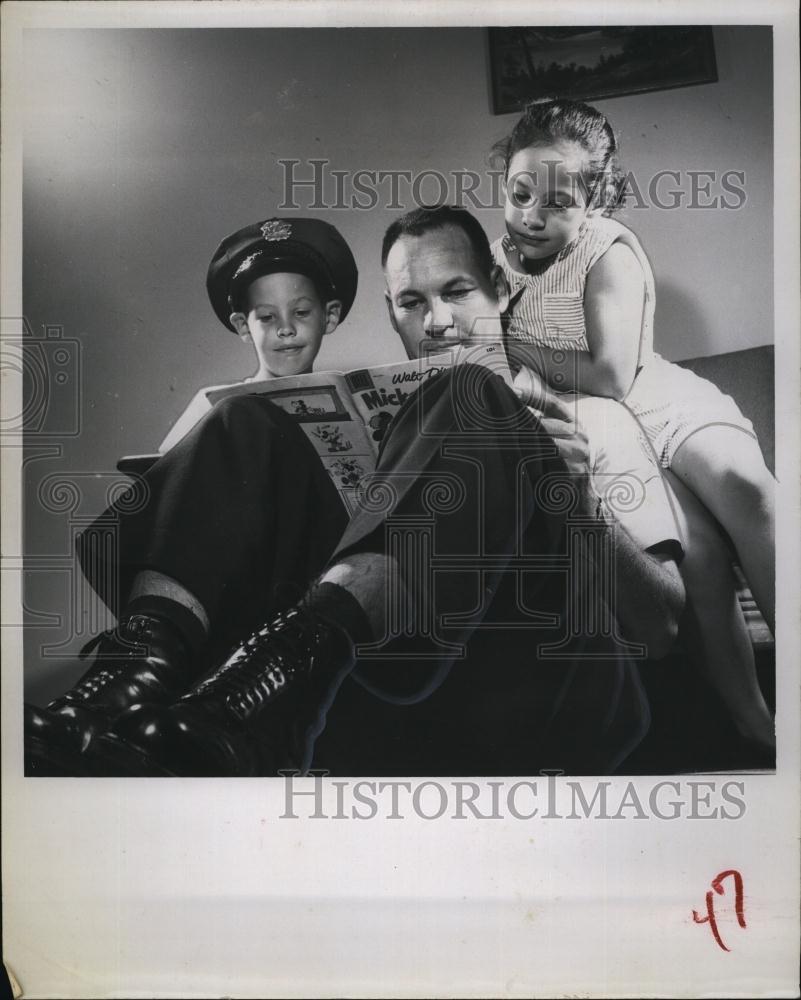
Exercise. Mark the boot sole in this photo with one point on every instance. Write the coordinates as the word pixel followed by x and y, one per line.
pixel 112 757
pixel 42 760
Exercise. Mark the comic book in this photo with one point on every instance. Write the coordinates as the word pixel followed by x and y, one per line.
pixel 345 414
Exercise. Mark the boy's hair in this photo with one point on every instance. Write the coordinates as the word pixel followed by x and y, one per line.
pixel 240 285
pixel 549 120
pixel 431 217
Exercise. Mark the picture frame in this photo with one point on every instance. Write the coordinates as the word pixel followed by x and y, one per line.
pixel 590 63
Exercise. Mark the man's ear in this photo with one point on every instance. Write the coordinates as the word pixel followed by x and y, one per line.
pixel 391 312
pixel 333 310
pixel 501 287
pixel 239 322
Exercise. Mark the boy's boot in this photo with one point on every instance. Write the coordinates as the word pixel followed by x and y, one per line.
pixel 259 712
pixel 146 658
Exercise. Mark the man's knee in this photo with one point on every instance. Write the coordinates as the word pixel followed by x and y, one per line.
pixel 466 377
pixel 477 397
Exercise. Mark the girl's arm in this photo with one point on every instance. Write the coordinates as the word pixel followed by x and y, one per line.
pixel 613 309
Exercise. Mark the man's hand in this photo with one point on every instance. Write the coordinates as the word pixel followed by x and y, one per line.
pixel 557 419
pixel 529 387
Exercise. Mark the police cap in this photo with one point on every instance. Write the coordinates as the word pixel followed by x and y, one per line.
pixel 299 246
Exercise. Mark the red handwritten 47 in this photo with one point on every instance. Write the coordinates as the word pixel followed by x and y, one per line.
pixel 717 886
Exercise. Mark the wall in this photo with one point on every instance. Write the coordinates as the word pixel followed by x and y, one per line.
pixel 143 148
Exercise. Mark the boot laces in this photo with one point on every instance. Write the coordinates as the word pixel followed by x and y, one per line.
pixel 267 664
pixel 92 682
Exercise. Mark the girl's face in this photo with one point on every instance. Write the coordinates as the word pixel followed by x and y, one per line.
pixel 545 199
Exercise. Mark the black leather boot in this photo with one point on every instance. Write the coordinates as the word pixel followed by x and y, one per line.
pixel 144 659
pixel 256 714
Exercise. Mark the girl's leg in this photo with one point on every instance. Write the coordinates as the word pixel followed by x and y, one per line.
pixel 712 598
pixel 724 468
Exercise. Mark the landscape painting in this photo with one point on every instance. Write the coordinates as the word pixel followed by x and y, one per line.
pixel 591 63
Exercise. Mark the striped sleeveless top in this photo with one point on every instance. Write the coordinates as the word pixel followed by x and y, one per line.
pixel 548 308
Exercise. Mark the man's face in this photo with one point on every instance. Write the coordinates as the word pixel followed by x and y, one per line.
pixel 436 291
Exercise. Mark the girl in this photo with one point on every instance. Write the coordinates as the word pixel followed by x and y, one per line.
pixel 581 315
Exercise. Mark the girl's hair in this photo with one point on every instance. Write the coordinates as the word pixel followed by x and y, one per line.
pixel 549 120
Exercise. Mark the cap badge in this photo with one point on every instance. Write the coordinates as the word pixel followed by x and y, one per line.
pixel 275 230
pixel 245 264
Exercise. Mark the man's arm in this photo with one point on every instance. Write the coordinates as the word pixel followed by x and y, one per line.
pixel 649 593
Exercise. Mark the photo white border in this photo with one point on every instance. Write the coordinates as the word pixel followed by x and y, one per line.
pixel 197 888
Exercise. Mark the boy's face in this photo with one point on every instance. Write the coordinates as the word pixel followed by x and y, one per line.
pixel 286 322
pixel 545 203
pixel 436 291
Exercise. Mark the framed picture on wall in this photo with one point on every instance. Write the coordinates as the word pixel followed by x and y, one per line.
pixel 591 63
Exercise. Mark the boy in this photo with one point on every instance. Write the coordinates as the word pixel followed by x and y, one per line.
pixel 294 284
pixel 281 285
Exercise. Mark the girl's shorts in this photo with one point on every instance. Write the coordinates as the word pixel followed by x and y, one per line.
pixel 671 403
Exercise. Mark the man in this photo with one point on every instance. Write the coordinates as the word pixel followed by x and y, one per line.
pixel 488 717
pixel 466 545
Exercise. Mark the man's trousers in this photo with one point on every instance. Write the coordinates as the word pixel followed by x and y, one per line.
pixel 471 499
